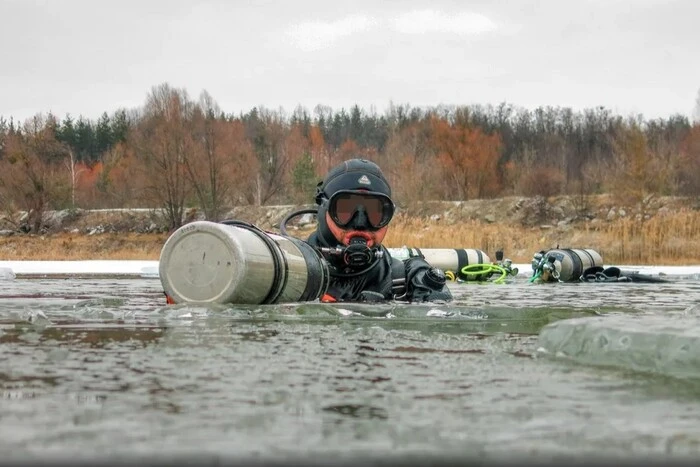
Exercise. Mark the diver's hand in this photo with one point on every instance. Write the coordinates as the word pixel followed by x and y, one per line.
pixel 424 282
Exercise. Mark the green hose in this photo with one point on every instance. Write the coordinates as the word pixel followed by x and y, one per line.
pixel 486 270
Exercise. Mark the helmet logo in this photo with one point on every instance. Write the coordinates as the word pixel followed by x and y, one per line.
pixel 364 180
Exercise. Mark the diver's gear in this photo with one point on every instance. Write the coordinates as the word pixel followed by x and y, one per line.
pixel 424 282
pixel 353 174
pixel 499 255
pixel 323 231
pixel 322 237
pixel 435 278
pixel 615 274
pixel 452 261
pixel 236 262
pixel 506 264
pixel 358 254
pixel 354 256
pixel 348 284
pixel 292 215
pixel 599 274
pixel 455 262
pixel 347 206
pixel 355 196
pixel 392 278
pixel 563 264
pixel 502 268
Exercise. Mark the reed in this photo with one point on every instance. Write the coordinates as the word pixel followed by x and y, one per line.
pixel 71 246
pixel 672 239
pixel 664 239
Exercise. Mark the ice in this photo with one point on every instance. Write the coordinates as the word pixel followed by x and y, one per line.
pixel 667 345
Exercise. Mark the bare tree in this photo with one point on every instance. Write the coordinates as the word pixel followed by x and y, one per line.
pixel 222 160
pixel 407 164
pixel 468 157
pixel 118 180
pixel 268 132
pixel 637 173
pixel 163 142
pixel 29 173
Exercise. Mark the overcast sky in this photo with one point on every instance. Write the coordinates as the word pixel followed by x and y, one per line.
pixel 85 57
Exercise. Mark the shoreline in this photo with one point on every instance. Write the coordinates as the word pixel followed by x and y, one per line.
pixel 149 269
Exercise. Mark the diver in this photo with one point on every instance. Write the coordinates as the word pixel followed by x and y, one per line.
pixel 615 274
pixel 353 215
pixel 547 266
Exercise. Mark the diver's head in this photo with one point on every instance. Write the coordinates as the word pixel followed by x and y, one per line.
pixel 354 203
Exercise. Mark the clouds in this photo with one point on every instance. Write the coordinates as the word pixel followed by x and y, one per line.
pixel 315 35
pixel 435 21
pixel 311 36
pixel 77 57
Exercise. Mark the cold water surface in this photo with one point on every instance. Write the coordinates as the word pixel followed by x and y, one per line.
pixel 101 368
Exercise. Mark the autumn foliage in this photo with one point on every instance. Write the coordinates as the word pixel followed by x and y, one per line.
pixel 177 153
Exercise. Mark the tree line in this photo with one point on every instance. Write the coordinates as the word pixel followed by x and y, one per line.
pixel 177 152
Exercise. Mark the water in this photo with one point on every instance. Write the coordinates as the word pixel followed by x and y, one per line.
pixel 101 368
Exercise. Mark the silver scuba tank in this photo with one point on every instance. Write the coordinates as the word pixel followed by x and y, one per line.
pixel 236 262
pixel 567 264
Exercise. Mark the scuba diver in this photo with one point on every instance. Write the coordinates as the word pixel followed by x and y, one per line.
pixel 615 274
pixel 353 215
pixel 567 265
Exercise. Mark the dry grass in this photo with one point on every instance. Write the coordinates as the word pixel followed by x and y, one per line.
pixel 70 246
pixel 665 239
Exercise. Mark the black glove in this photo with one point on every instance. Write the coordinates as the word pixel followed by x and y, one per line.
pixel 425 283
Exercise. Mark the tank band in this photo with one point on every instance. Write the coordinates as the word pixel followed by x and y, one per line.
pixel 577 263
pixel 317 276
pixel 463 260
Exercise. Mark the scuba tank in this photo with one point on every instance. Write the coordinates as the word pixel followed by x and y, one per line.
pixel 564 264
pixel 449 259
pixel 236 262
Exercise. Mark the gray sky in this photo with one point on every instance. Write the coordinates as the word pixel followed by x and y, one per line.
pixel 85 57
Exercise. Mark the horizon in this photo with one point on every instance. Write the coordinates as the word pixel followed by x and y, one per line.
pixel 149 268
pixel 371 110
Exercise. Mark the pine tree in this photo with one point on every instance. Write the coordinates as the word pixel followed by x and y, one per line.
pixel 103 135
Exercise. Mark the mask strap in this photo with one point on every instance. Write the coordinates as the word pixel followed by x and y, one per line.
pixel 320 195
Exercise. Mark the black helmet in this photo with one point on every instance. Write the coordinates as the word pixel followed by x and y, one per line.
pixel 353 174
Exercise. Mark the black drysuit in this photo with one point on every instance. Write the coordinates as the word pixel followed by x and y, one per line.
pixel 386 278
